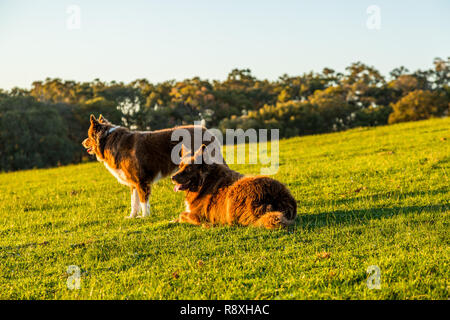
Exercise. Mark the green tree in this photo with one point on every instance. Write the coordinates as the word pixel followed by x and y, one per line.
pixel 32 135
pixel 419 105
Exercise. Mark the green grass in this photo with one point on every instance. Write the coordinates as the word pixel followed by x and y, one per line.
pixel 368 196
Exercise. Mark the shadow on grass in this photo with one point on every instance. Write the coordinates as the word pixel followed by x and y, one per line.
pixel 375 197
pixel 322 219
pixel 361 217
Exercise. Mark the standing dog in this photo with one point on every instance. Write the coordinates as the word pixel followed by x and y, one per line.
pixel 137 159
pixel 218 195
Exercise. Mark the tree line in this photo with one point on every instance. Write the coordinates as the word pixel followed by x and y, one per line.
pixel 44 126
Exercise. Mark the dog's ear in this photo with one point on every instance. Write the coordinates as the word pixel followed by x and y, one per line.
pixel 103 120
pixel 94 123
pixel 201 153
pixel 184 151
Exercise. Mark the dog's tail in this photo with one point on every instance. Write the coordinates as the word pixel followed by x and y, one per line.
pixel 273 220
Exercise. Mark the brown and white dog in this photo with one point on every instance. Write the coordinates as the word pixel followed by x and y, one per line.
pixel 136 158
pixel 216 194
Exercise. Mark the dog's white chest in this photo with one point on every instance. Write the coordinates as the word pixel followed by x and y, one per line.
pixel 120 176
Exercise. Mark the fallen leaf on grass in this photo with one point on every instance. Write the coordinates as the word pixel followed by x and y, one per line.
pixel 390 152
pixel 332 274
pixel 360 189
pixel 323 255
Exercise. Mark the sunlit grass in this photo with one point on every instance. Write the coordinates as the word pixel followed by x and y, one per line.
pixel 377 196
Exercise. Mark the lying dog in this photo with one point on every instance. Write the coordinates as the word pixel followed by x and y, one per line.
pixel 137 159
pixel 218 195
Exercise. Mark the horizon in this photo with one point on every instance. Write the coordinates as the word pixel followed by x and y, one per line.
pixel 110 81
pixel 178 41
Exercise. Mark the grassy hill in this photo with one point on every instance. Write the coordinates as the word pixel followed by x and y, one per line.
pixel 369 196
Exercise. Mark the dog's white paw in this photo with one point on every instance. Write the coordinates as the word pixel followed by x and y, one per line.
pixel 145 209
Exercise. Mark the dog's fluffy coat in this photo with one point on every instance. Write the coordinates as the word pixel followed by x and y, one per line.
pixel 216 194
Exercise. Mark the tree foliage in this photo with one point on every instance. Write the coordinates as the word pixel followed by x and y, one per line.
pixel 44 126
pixel 419 105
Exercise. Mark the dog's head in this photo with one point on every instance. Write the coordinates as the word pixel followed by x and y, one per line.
pixel 192 171
pixel 97 128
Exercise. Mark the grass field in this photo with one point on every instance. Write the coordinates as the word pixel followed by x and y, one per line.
pixel 368 196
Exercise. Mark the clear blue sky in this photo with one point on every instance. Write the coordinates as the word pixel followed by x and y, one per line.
pixel 167 39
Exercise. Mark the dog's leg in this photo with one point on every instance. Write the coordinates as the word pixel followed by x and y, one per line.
pixel 189 217
pixel 145 207
pixel 134 203
pixel 144 199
